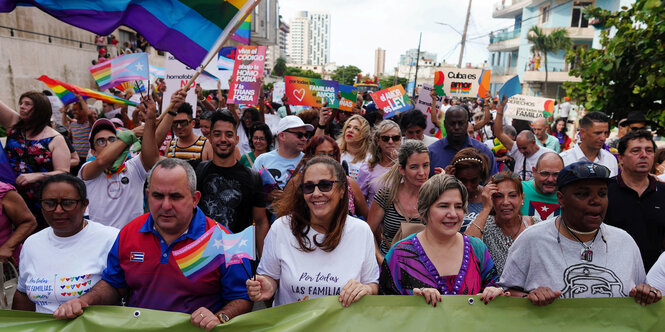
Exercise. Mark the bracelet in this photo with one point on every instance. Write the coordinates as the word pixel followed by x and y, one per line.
pixel 481 231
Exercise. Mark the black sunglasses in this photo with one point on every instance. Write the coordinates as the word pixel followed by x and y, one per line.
pixel 300 135
pixel 324 186
pixel 395 138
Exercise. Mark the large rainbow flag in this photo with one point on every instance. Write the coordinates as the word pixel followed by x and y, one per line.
pixel 188 29
pixel 66 92
pixel 128 67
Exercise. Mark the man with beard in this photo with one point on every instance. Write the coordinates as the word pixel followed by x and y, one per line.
pixel 540 192
pixel 231 193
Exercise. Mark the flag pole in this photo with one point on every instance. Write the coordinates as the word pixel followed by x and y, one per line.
pixel 224 38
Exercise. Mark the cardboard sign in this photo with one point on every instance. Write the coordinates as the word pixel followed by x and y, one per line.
pixel 461 82
pixel 424 104
pixel 392 101
pixel 528 108
pixel 247 72
pixel 310 91
pixel 278 90
pixel 349 95
pixel 177 74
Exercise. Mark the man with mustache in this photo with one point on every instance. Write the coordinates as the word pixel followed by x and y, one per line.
pixel 540 192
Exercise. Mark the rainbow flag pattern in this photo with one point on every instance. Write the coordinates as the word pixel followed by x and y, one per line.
pixel 203 255
pixel 128 67
pixel 460 87
pixel 66 92
pixel 188 29
pixel 242 34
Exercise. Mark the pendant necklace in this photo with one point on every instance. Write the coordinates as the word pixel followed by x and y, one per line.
pixel 586 253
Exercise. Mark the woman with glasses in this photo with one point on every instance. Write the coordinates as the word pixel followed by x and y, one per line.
pixel 260 142
pixel 386 139
pixel 440 260
pixel 470 166
pixel 354 144
pixel 315 249
pixel 397 203
pixel 500 221
pixel 34 149
pixel 65 260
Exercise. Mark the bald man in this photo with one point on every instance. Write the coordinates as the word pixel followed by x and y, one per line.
pixel 543 138
pixel 540 199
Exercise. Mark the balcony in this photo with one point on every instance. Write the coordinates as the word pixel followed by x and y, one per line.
pixel 552 77
pixel 505 41
pixel 576 33
pixel 509 8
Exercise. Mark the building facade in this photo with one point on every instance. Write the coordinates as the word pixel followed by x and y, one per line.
pixel 409 57
pixel 309 38
pixel 379 62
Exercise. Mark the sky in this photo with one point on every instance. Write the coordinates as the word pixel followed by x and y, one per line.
pixel 359 27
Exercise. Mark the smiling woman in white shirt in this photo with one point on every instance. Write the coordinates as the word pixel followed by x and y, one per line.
pixel 314 227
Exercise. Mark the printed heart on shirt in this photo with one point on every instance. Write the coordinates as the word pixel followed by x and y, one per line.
pixel 63 286
pixel 67 286
pixel 67 279
pixel 69 294
pixel 63 294
pixel 78 285
pixel 85 291
pixel 76 278
pixel 87 276
pixel 89 282
pixel 299 94
pixel 79 292
pixel 62 279
pixel 82 277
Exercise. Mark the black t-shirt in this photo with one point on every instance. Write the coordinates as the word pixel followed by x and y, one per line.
pixel 228 194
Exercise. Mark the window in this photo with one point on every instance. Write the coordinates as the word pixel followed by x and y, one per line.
pixel 577 18
pixel 544 14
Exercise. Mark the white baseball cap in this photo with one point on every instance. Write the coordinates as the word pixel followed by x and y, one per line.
pixel 290 122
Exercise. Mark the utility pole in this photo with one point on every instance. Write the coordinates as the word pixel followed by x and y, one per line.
pixel 466 25
pixel 413 95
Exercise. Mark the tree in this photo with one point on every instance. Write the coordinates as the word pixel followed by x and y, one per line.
pixel 628 72
pixel 389 81
pixel 295 71
pixel 280 67
pixel 545 43
pixel 345 74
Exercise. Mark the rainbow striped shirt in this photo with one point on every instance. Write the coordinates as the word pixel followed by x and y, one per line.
pixel 80 133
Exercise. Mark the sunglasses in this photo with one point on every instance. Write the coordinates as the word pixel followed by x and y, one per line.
pixel 502 176
pixel 323 185
pixel 637 128
pixel 102 141
pixel 50 205
pixel 395 138
pixel 180 123
pixel 300 135
pixel 586 170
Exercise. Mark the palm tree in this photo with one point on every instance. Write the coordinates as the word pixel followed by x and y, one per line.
pixel 545 43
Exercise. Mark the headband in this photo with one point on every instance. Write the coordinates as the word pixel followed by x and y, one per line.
pixel 469 159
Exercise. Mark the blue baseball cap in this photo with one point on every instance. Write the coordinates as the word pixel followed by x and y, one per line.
pixel 582 170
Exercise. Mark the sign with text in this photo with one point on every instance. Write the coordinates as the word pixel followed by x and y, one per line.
pixel 247 73
pixel 392 101
pixel 528 108
pixel 310 91
pixel 176 76
pixel 278 90
pixel 348 95
pixel 461 82
pixel 424 104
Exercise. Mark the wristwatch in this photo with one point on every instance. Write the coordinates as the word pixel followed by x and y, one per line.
pixel 321 126
pixel 222 317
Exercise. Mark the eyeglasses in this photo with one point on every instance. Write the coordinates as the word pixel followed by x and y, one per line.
pixel 180 123
pixel 260 139
pixel 547 174
pixel 586 170
pixel 503 176
pixel 637 128
pixel 50 205
pixel 329 154
pixel 102 141
pixel 324 186
pixel 297 133
pixel 395 138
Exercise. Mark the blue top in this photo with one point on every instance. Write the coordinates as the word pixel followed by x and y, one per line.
pixel 441 153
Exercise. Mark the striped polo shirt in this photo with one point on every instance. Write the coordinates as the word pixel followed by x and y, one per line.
pixel 194 151
pixel 80 133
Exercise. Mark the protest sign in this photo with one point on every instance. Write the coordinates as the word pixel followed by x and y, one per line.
pixel 438 83
pixel 461 82
pixel 424 104
pixel 348 96
pixel 278 90
pixel 528 108
pixel 392 100
pixel 247 72
pixel 484 83
pixel 310 91
pixel 177 74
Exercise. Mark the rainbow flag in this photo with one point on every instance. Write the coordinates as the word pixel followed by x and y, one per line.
pixel 188 29
pixel 66 92
pixel 242 35
pixel 128 67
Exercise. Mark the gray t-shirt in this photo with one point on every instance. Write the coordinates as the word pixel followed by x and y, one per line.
pixel 538 259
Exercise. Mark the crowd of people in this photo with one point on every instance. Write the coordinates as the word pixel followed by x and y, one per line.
pixel 360 205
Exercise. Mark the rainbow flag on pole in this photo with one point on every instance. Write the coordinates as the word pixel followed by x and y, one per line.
pixel 188 29
pixel 128 67
pixel 66 92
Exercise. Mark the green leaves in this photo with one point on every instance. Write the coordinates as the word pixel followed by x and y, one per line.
pixel 650 4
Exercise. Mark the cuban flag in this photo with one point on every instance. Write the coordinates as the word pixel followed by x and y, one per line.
pixel 543 210
pixel 136 256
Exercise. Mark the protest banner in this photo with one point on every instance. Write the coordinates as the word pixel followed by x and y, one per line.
pixel 310 91
pixel 528 108
pixel 348 96
pixel 484 83
pixel 424 104
pixel 373 313
pixel 247 72
pixel 177 74
pixel 392 100
pixel 461 82
pixel 278 90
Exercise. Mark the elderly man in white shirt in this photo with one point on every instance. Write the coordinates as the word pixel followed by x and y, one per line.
pixel 594 130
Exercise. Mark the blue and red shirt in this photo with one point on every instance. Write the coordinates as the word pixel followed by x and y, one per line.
pixel 141 261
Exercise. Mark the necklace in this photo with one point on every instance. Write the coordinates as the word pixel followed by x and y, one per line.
pixel 587 253
pixel 510 239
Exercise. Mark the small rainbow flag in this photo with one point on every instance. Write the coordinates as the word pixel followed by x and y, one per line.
pixel 243 34
pixel 66 92
pixel 128 67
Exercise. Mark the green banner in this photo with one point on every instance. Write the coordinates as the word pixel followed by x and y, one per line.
pixel 375 313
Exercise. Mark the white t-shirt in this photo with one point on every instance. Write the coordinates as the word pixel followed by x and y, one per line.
pixel 243 141
pixel 56 104
pixel 306 275
pixel 604 158
pixel 57 269
pixel 117 200
pixel 564 110
pixel 354 168
pixel 656 276
pixel 429 140
pixel 530 161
